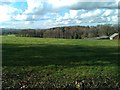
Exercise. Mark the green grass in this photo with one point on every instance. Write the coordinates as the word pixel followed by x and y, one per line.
pixel 49 62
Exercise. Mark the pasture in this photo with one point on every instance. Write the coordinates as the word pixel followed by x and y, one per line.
pixel 58 63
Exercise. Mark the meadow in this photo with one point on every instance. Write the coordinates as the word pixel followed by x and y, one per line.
pixel 59 63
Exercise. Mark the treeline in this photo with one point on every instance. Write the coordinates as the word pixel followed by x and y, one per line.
pixel 70 32
pixel 7 31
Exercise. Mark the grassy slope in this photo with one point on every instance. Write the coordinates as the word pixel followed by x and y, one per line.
pixel 58 62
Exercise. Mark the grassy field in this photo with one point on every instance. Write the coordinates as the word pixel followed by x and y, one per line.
pixel 59 63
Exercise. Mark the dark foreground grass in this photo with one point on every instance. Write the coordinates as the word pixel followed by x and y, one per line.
pixel 59 63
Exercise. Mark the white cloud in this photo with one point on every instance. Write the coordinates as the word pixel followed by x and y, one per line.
pixel 66 16
pixel 62 3
pixel 50 13
pixel 6 12
pixel 91 14
pixel 20 17
pixel 114 19
pixel 78 21
pixel 42 6
pixel 73 13
pixel 34 6
pixel 107 12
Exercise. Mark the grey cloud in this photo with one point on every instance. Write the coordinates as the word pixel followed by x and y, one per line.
pixel 94 5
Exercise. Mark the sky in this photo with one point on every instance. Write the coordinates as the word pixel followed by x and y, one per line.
pixel 42 14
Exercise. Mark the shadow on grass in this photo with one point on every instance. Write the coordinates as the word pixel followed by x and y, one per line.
pixel 64 55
